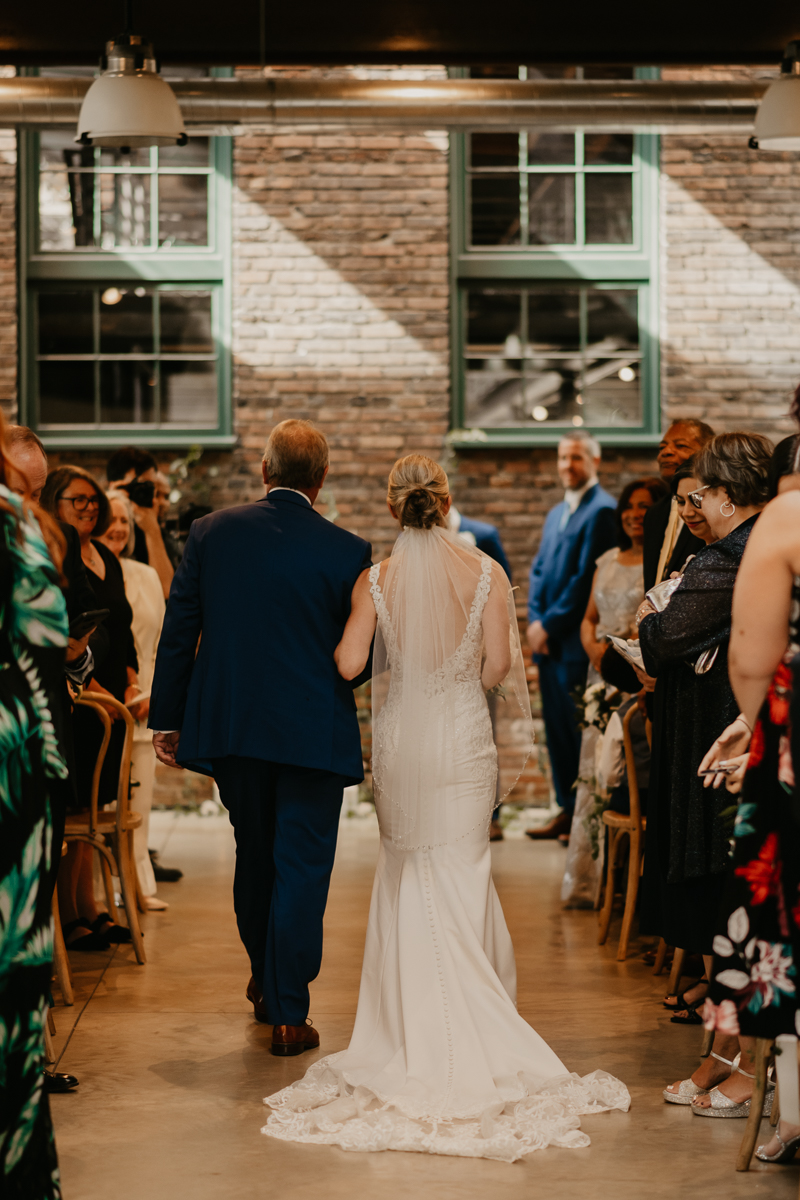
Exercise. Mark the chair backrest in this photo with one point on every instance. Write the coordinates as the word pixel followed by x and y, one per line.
pixel 123 783
pixel 630 763
pixel 105 721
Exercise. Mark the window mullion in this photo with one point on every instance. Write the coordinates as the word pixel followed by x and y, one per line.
pixel 96 347
pixel 580 192
pixel 157 354
pixel 523 190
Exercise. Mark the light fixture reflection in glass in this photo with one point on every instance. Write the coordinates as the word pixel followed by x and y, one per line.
pixel 626 374
pixel 577 420
pixel 540 413
pixel 140 291
pixel 112 295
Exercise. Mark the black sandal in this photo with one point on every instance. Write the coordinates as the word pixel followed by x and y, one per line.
pixel 107 928
pixel 682 1003
pixel 91 940
pixel 692 1015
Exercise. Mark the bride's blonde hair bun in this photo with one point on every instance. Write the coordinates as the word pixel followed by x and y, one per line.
pixel 418 492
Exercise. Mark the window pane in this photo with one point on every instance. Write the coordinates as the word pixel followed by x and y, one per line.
pixel 605 148
pixel 554 358
pixel 609 208
pixel 494 149
pixel 193 154
pixel 494 352
pixel 548 148
pixel 65 322
pixel 124 211
pixel 186 323
pixel 189 393
pixel 136 156
pixel 126 321
pixel 495 210
pixel 611 388
pixel 551 209
pixel 494 322
pixel 182 210
pixel 65 198
pixel 127 392
pixel 66 393
pixel 554 320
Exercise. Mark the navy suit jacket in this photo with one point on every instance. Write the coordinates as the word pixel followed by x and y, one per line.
pixel 562 572
pixel 487 539
pixel 266 589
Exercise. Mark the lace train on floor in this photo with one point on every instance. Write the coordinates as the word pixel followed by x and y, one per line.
pixel 324 1108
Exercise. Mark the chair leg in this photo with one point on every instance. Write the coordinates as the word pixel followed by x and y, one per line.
pixel 631 892
pixel 49 1052
pixel 763 1053
pixel 60 956
pixel 605 914
pixel 775 1115
pixel 676 972
pixel 108 884
pixel 708 1042
pixel 661 957
pixel 126 868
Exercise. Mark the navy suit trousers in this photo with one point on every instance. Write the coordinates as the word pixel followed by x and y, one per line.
pixel 556 681
pixel 285 820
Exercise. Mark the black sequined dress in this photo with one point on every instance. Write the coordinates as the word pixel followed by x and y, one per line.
pixel 686 845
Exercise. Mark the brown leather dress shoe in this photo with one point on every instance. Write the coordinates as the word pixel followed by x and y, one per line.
pixel 255 997
pixel 560 824
pixel 293 1039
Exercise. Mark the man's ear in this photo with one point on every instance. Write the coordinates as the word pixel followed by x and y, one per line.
pixel 264 474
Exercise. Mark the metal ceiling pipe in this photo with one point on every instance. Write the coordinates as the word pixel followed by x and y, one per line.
pixel 227 105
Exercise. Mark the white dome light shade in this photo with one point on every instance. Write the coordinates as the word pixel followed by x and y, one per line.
pixel 129 104
pixel 778 116
pixel 130 110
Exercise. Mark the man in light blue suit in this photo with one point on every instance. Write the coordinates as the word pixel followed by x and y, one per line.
pixel 576 532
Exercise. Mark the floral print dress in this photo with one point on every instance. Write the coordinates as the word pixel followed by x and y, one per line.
pixel 33 637
pixel 756 952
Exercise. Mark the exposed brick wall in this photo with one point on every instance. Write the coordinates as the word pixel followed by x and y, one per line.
pixel 731 279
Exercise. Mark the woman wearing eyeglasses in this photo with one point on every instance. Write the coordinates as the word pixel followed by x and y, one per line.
pixel 74 498
pixel 686 648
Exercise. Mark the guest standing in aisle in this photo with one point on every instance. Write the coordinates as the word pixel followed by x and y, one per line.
pixel 576 532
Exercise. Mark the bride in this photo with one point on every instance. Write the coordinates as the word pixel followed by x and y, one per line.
pixel 439 1061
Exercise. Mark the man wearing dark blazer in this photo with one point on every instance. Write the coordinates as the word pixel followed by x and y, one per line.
pixel 265 589
pixel 576 532
pixel 667 541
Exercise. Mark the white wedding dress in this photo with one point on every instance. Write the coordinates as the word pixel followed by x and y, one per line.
pixel 440 1060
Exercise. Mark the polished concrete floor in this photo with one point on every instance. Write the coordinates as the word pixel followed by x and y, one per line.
pixel 173 1068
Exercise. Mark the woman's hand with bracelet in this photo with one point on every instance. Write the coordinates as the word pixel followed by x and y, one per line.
pixel 726 761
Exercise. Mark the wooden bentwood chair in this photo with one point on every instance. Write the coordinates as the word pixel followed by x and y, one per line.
pixel 620 826
pixel 95 825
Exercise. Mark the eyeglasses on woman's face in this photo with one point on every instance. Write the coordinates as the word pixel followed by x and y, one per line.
pixel 81 502
pixel 696 498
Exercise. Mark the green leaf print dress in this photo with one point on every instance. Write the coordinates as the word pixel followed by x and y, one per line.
pixel 33 637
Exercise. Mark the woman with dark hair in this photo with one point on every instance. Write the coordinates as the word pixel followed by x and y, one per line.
pixel 617 592
pixel 782 476
pixel 75 498
pixel 685 646
pixel 33 641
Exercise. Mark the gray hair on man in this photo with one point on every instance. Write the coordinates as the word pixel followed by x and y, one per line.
pixel 296 455
pixel 591 444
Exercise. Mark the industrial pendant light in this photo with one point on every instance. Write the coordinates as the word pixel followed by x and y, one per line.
pixel 778 116
pixel 129 104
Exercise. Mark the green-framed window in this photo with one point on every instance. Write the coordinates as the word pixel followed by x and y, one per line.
pixel 125 292
pixel 554 281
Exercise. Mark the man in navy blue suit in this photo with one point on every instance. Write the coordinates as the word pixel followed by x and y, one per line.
pixel 576 532
pixel 259 704
pixel 485 536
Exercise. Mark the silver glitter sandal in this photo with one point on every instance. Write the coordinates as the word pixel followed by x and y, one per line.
pixel 723 1106
pixel 687 1089
pixel 785 1154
